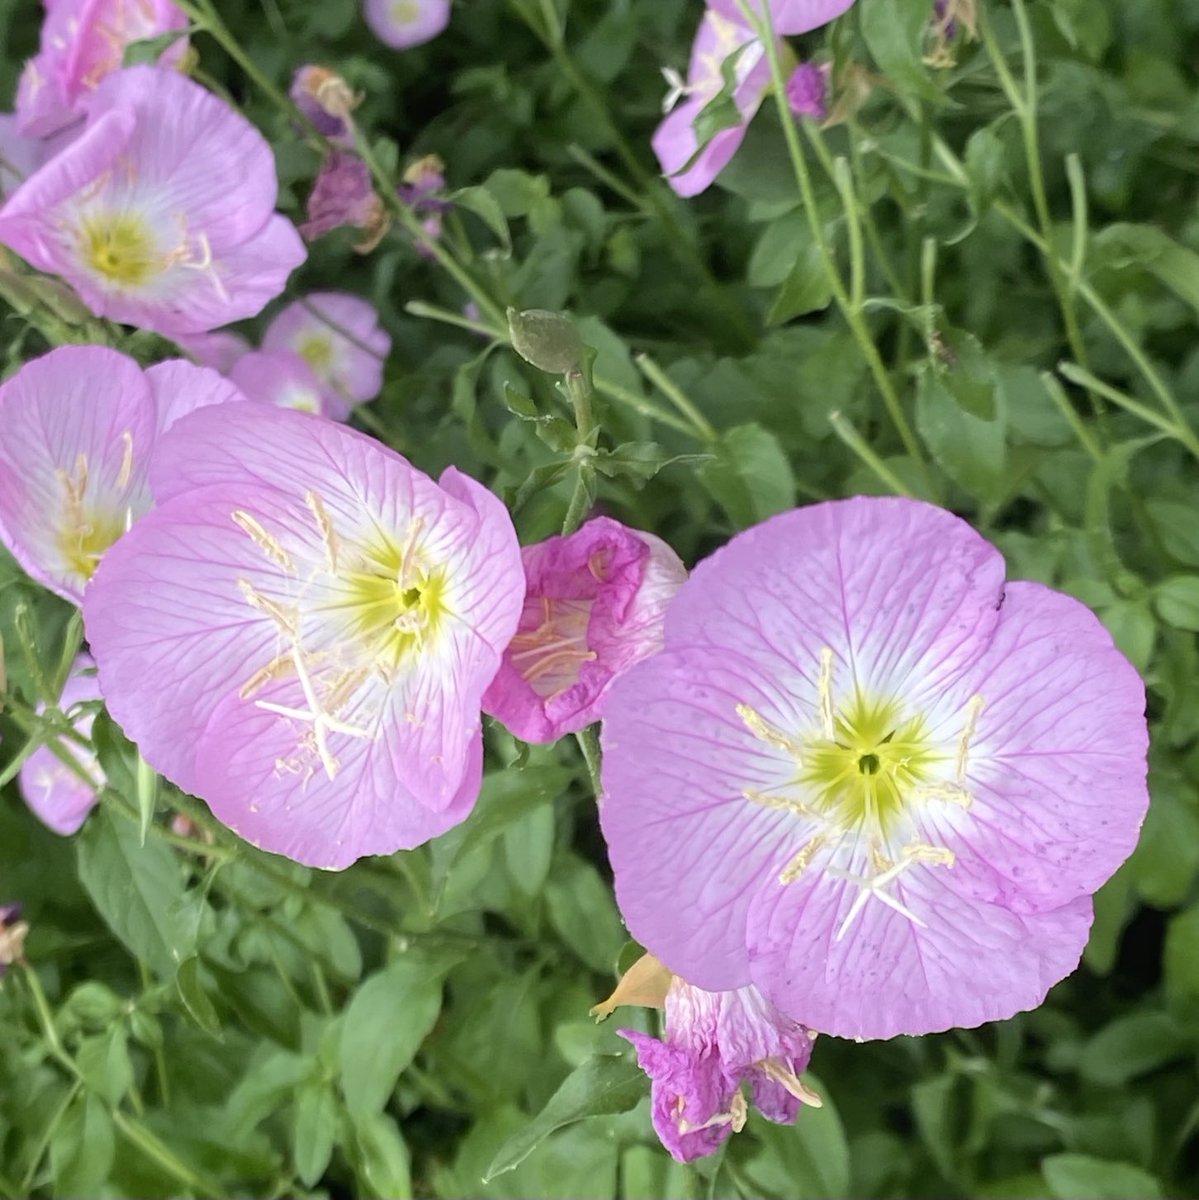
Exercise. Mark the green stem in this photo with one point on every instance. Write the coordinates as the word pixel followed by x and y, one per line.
pixel 851 314
pixel 590 749
pixel 675 394
pixel 844 429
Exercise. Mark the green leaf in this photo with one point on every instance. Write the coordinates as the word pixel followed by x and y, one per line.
pixel 150 50
pixel 385 1023
pixel 601 1087
pixel 806 288
pixel 1181 958
pixel 1178 526
pixel 895 32
pixel 1080 1177
pixel 104 1064
pixel 483 204
pixel 195 998
pixel 138 890
pixel 749 475
pixel 1132 1046
pixel 381 1157
pixel 583 913
pixel 312 1131
pixel 83 1147
pixel 1177 601
pixel 969 449
pixel 1121 246
pixel 985 166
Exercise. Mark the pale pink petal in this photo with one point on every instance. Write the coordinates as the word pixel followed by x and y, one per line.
pixel 283 379
pixel 404 23
pixel 789 17
pixel 181 387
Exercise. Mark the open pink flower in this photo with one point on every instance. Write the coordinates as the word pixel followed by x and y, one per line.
pixel 713 1042
pixel 82 42
pixel 404 23
pixel 161 212
pixel 789 17
pixel 339 337
pixel 875 781
pixel 80 427
pixel 57 794
pixel 282 378
pixel 594 605
pixel 301 630
pixel 725 37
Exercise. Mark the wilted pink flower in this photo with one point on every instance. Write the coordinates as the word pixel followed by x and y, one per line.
pixel 424 182
pixel 713 1042
pixel 13 932
pixel 58 795
pixel 219 349
pixel 82 42
pixel 339 337
pixel 283 378
pixel 344 194
pixel 404 23
pixel 80 427
pixel 789 17
pixel 302 629
pixel 807 91
pixel 161 212
pixel 326 100
pixel 725 37
pixel 875 781
pixel 594 604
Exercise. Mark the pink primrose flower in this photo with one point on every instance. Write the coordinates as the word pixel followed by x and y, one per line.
pixel 789 17
pixel 713 1042
pixel 725 34
pixel 161 212
pixel 83 41
pixel 80 427
pixel 57 795
pixel 403 23
pixel 594 605
pixel 301 630
pixel 339 337
pixel 877 782
pixel 219 349
pixel 283 378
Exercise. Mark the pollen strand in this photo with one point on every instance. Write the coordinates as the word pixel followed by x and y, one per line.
pixel 266 542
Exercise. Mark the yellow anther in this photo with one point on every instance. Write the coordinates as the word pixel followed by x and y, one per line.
pixel 767 801
pixel 125 474
pixel 287 619
pixel 827 717
pixel 765 732
pixel 968 731
pixel 266 542
pixel 324 525
pixel 795 868
pixel 276 669
pixel 777 1070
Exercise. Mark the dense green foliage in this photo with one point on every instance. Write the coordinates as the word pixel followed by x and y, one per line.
pixel 981 286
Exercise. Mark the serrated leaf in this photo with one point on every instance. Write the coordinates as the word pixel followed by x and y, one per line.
pixel 602 1086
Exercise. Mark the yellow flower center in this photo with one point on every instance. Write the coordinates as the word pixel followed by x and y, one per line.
pixel 858 779
pixel 405 12
pixel 120 247
pixel 316 349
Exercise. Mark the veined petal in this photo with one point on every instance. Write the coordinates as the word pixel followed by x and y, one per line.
pixel 79 428
pixel 789 17
pixel 181 387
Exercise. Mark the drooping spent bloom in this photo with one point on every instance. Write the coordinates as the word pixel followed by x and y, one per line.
pixel 343 194
pixel 424 182
pixel 714 1042
pixel 725 41
pixel 326 100
pixel 282 378
pixel 788 17
pixel 807 90
pixel 80 427
pixel 300 632
pixel 339 337
pixel 877 782
pixel 219 349
pixel 58 795
pixel 594 605
pixel 169 241
pixel 943 29
pixel 404 23
pixel 82 42
pixel 13 932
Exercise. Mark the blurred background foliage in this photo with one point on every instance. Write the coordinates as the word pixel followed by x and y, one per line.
pixel 1010 331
